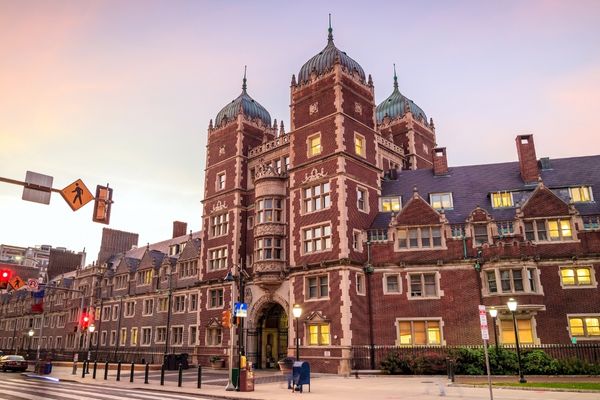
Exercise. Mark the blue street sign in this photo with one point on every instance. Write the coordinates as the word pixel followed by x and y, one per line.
pixel 240 310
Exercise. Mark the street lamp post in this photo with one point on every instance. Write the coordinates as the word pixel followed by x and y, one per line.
pixel 30 333
pixel 512 306
pixel 297 312
pixel 494 313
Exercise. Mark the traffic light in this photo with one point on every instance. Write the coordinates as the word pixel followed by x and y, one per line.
pixel 102 204
pixel 226 319
pixel 85 321
pixel 5 275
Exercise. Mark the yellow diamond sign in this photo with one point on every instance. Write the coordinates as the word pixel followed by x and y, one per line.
pixel 77 195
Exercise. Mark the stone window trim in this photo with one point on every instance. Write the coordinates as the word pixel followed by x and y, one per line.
pixel 319 296
pixel 323 198
pixel 581 194
pixel 441 200
pixel 265 252
pixel 437 277
pixel 540 225
pixel 158 329
pixel 313 239
pixel 360 284
pixel 219 225
pixel 357 240
pixel 586 335
pixel 115 314
pixel 420 237
pixel 193 335
pixel 213 335
pixel 360 145
pixel 193 303
pixel 593 282
pixel 141 340
pixel 126 309
pixel 209 292
pixel 390 203
pixel 215 258
pixel 439 320
pixel 269 210
pixel 145 308
pixel 475 226
pixel 362 199
pixel 134 337
pixel 313 148
pixel 145 277
pixel 323 333
pixel 179 301
pixel 497 270
pixel 162 304
pixel 384 283
pixel 502 199
pixel 220 181
pixel 173 336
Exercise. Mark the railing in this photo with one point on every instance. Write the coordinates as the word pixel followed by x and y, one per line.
pixel 361 355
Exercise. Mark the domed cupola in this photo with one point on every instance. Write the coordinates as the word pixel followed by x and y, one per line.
pixel 243 104
pixel 325 60
pixel 396 104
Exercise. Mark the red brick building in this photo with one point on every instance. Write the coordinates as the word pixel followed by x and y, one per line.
pixel 354 215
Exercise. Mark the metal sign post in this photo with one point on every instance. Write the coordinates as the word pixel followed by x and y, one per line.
pixel 485 335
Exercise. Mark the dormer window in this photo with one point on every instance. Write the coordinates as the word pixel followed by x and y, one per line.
pixel 502 200
pixel 391 203
pixel 581 194
pixel 441 200
pixel 543 230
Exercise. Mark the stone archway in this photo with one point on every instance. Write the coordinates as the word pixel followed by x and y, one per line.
pixel 267 333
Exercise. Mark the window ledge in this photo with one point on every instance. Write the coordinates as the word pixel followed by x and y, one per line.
pixel 396 249
pixel 317 299
pixel 409 297
pixel 569 287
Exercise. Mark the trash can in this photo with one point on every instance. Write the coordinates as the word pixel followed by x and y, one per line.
pixel 300 375
pixel 48 368
pixel 170 362
pixel 247 379
pixel 183 360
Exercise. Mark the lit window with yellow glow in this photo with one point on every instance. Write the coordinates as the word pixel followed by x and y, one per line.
pixel 585 326
pixel 559 229
pixel 359 145
pixel 390 204
pixel 580 194
pixel 524 327
pixel 576 276
pixel 420 332
pixel 314 145
pixel 502 200
pixel 318 334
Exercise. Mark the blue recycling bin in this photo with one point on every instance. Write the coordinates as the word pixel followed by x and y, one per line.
pixel 48 368
pixel 300 375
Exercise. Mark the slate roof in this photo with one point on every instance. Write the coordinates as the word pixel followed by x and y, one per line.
pixel 471 186
pixel 395 105
pixel 163 246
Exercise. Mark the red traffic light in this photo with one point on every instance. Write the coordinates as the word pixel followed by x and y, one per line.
pixel 5 275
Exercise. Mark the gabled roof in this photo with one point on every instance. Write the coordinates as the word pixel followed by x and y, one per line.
pixel 163 246
pixel 471 185
pixel 543 202
pixel 191 250
pixel 417 212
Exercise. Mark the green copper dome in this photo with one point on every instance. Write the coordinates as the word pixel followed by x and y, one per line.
pixel 395 105
pixel 246 105
pixel 325 60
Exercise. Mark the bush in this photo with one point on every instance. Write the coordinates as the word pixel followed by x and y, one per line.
pixel 536 362
pixel 503 361
pixel 575 366
pixel 469 361
pixel 394 364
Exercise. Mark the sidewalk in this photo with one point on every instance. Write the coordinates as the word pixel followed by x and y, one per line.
pixel 327 387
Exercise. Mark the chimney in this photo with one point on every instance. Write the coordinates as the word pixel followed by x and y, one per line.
pixel 179 228
pixel 527 160
pixel 440 162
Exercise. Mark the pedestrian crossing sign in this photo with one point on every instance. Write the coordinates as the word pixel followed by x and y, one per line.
pixel 77 195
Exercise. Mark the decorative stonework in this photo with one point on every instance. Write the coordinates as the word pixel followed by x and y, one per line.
pixel 314 175
pixel 218 206
pixel 313 108
pixel 222 150
pixel 358 108
pixel 269 230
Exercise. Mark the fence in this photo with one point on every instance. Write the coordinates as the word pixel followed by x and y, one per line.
pixel 138 355
pixel 361 355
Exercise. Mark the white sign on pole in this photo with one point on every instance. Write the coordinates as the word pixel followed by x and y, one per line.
pixel 32 285
pixel 485 333
pixel 39 187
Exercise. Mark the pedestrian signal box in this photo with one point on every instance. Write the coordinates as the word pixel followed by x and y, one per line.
pixel 102 204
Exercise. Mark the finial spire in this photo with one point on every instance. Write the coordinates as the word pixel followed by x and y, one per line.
pixel 395 78
pixel 244 86
pixel 330 30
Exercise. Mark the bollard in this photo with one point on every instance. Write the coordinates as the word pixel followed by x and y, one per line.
pixel 87 370
pixel 131 374
pixel 106 370
pixel 199 376
pixel 95 368
pixel 162 375
pixel 180 378
pixel 83 369
pixel 146 373
pixel 119 371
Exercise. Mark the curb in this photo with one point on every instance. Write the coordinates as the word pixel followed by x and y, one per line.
pixel 540 389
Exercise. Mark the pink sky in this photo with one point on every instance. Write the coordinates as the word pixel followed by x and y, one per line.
pixel 122 91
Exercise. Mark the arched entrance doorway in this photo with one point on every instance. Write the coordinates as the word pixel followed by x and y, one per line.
pixel 271 335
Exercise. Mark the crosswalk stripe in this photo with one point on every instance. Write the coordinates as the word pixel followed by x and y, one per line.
pixel 17 396
pixel 97 390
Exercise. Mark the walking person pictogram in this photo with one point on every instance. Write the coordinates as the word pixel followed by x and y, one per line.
pixel 78 192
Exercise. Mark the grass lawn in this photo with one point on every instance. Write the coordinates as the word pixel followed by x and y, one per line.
pixel 555 385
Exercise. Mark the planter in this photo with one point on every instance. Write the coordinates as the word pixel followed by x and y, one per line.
pixel 286 365
pixel 218 363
